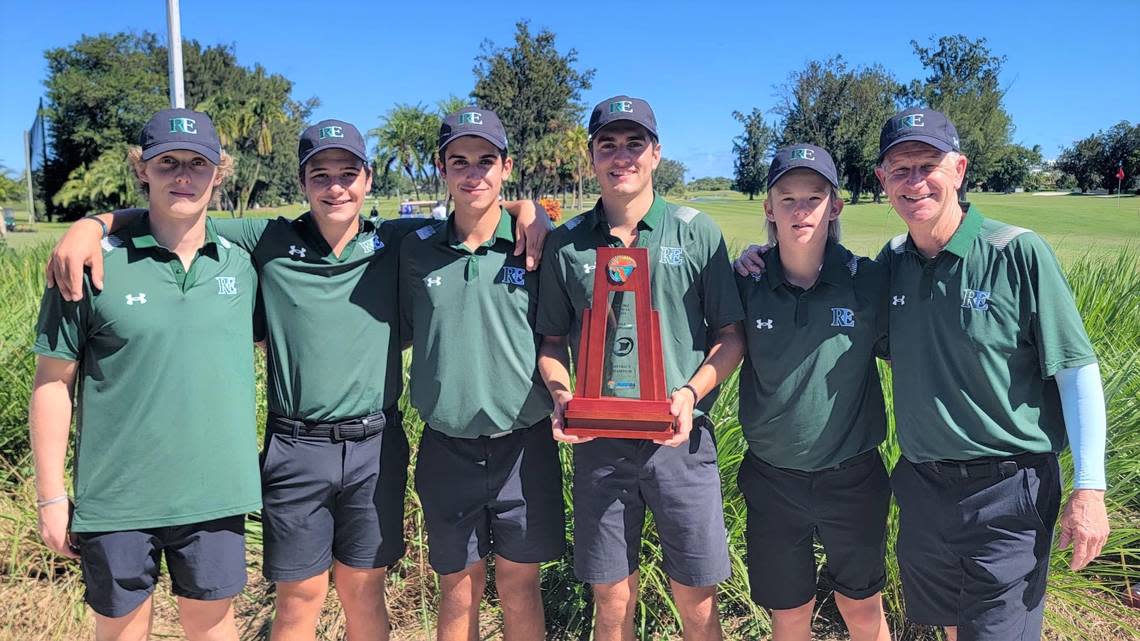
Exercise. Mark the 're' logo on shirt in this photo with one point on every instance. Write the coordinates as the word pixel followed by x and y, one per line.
pixel 975 299
pixel 512 276
pixel 842 317
pixel 227 285
pixel 671 256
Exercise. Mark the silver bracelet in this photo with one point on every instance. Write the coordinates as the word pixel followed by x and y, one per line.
pixel 55 499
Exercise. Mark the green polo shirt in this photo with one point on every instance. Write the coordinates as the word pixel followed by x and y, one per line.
pixel 810 396
pixel 977 333
pixel 691 283
pixel 470 318
pixel 165 420
pixel 331 322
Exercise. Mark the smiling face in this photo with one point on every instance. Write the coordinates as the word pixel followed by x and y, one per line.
pixel 624 156
pixel 474 170
pixel 802 205
pixel 335 182
pixel 179 182
pixel 921 182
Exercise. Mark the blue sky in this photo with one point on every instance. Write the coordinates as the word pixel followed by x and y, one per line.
pixel 1072 67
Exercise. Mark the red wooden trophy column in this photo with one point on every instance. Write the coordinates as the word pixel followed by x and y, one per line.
pixel 620 269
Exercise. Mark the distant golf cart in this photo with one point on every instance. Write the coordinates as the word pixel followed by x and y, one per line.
pixel 9 220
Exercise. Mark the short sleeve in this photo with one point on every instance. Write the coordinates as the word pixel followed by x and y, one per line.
pixel 243 232
pixel 555 309
pixel 720 297
pixel 1058 332
pixel 61 329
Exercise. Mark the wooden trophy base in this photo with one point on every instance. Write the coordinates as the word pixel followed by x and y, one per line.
pixel 619 418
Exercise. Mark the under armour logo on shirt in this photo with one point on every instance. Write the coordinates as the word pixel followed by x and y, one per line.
pixel 588 267
pixel 975 299
pixel 763 323
pixel 842 317
pixel 297 251
pixel 432 281
pixel 140 298
pixel 898 300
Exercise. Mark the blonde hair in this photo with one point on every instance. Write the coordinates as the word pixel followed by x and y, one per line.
pixel 833 232
pixel 134 158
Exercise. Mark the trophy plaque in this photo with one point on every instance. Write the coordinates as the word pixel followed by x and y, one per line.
pixel 621 377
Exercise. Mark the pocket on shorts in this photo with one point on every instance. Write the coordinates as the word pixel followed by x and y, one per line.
pixel 1030 490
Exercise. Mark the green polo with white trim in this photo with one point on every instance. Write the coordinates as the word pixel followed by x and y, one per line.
pixel 976 335
pixel 470 317
pixel 166 417
pixel 691 282
pixel 810 396
pixel 331 321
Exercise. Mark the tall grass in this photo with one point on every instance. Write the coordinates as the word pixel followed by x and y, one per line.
pixel 1080 606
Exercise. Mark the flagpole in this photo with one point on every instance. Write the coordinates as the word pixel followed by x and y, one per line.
pixel 174 54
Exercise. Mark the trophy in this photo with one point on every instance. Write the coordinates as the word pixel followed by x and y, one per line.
pixel 621 377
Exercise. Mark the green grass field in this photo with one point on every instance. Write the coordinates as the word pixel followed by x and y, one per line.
pixel 1073 224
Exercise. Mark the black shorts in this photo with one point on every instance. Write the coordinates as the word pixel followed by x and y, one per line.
pixel 845 506
pixel 325 500
pixel 974 541
pixel 499 494
pixel 616 479
pixel 206 562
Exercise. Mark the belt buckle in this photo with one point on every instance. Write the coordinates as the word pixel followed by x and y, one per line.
pixel 1007 468
pixel 336 432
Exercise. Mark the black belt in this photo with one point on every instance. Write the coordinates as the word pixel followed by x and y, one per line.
pixel 353 429
pixel 986 467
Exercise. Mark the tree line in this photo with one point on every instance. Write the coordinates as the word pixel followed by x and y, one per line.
pixel 102 89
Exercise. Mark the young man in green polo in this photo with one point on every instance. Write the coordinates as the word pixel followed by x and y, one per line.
pixel 334 464
pixel 487 474
pixel 811 408
pixel 693 290
pixel 162 363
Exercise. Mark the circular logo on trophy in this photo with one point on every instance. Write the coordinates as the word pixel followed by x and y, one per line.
pixel 621 268
pixel 623 346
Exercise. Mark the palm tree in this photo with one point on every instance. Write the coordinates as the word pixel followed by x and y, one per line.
pixel 406 137
pixel 577 152
pixel 247 124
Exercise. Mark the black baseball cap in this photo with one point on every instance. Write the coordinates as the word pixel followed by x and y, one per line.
pixel 330 134
pixel 803 155
pixel 180 129
pixel 626 108
pixel 471 121
pixel 922 125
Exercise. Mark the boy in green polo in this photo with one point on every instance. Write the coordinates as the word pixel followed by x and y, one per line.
pixel 615 480
pixel 811 408
pixel 487 474
pixel 162 362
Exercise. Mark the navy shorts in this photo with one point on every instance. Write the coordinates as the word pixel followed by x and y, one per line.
pixel 325 500
pixel 206 562
pixel 499 494
pixel 615 480
pixel 974 541
pixel 845 506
